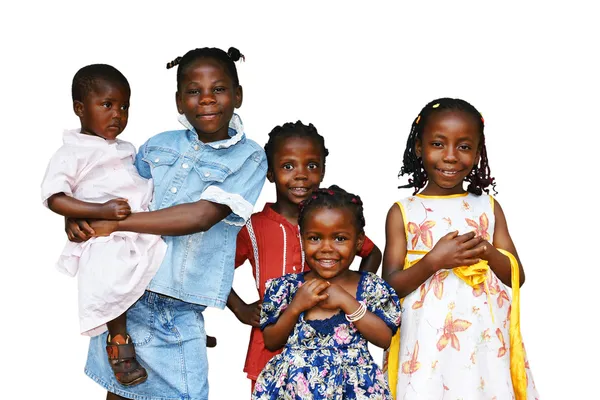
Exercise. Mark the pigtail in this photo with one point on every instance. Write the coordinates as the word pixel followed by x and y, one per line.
pixel 235 54
pixel 333 197
pixel 173 63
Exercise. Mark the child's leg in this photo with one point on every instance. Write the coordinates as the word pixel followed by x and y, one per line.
pixel 121 354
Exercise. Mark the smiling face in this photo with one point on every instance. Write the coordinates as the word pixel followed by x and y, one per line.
pixel 330 239
pixel 207 97
pixel 297 168
pixel 104 111
pixel 449 148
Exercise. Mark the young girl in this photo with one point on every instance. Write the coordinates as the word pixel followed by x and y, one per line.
pixel 449 254
pixel 270 240
pixel 325 316
pixel 92 176
pixel 207 178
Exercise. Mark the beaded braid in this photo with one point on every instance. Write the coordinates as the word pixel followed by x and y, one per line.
pixel 480 176
pixel 333 197
pixel 85 79
pixel 290 129
pixel 228 59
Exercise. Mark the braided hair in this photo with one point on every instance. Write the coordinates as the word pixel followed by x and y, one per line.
pixel 227 59
pixel 288 130
pixel 86 78
pixel 333 197
pixel 480 176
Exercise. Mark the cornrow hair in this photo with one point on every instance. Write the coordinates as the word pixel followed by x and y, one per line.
pixel 85 80
pixel 228 59
pixel 333 197
pixel 480 176
pixel 288 130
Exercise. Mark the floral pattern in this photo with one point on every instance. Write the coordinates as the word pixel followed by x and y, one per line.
pixel 325 359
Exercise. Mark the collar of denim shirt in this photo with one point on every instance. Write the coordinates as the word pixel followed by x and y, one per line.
pixel 236 131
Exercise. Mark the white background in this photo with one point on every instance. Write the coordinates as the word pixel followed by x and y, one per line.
pixel 361 75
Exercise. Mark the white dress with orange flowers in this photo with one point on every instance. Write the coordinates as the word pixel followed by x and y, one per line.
pixel 454 340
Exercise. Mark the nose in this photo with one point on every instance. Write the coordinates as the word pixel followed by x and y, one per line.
pixel 301 173
pixel 207 97
pixel 326 246
pixel 450 155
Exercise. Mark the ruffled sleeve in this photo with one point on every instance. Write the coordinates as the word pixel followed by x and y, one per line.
pixel 382 300
pixel 279 293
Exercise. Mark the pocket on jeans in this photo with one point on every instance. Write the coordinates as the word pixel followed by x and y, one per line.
pixel 140 320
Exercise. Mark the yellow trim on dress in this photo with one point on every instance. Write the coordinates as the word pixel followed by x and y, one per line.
pixel 448 196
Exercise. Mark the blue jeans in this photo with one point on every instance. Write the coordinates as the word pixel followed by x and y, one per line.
pixel 170 342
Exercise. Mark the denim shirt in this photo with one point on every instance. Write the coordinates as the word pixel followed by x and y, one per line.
pixel 198 268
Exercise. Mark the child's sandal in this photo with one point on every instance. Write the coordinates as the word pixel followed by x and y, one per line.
pixel 121 357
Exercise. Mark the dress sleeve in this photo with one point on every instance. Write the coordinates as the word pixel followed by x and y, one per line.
pixel 366 248
pixel 279 293
pixel 243 248
pixel 382 301
pixel 240 190
pixel 61 174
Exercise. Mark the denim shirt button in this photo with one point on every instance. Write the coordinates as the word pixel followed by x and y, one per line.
pixel 185 166
pixel 196 147
pixel 207 174
pixel 156 159
pixel 173 190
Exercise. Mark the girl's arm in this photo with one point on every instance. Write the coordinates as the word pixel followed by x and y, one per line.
pixel 498 262
pixel 182 219
pixel 307 296
pixel 70 207
pixel 403 281
pixel 371 262
pixel 248 314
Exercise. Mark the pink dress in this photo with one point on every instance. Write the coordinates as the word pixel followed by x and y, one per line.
pixel 113 271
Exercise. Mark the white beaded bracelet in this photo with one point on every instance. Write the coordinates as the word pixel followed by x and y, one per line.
pixel 358 314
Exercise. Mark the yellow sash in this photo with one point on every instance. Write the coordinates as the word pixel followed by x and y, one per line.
pixel 474 275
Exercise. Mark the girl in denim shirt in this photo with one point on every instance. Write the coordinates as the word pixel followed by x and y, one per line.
pixel 207 179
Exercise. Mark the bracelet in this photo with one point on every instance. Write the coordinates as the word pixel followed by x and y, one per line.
pixel 358 314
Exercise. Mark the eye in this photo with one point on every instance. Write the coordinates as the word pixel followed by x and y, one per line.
pixel 464 147
pixel 125 107
pixel 437 144
pixel 313 166
pixel 219 89
pixel 107 104
pixel 341 238
pixel 313 238
pixel 193 92
pixel 287 166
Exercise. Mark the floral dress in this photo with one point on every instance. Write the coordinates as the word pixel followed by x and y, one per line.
pixel 325 359
pixel 454 342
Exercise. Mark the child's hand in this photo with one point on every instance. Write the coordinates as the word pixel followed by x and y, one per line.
pixel 309 295
pixel 116 209
pixel 104 227
pixel 249 314
pixel 78 230
pixel 337 297
pixel 454 250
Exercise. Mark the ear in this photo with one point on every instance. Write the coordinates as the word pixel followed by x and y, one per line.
pixel 239 96
pixel 360 241
pixel 178 102
pixel 78 108
pixel 270 175
pixel 418 147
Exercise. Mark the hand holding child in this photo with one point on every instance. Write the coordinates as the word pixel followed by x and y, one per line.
pixel 249 314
